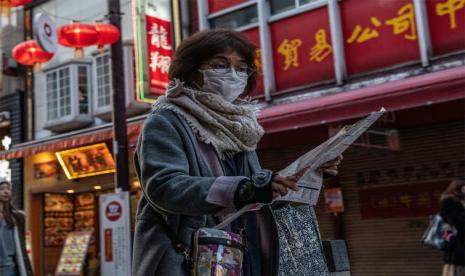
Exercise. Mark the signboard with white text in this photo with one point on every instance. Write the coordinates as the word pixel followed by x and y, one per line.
pixel 153 47
pixel 115 234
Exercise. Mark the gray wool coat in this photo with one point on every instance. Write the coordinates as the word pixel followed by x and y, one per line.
pixel 182 185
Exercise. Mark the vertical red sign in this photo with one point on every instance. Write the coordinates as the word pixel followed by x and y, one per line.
pixel 159 50
pixel 447 25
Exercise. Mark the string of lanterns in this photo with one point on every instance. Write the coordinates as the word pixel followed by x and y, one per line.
pixel 74 35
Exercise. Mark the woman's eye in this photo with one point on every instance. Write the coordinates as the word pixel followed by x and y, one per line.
pixel 219 66
pixel 242 69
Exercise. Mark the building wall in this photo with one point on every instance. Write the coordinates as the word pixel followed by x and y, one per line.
pixel 14 103
pixel 63 12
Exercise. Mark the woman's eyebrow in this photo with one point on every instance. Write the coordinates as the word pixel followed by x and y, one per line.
pixel 225 58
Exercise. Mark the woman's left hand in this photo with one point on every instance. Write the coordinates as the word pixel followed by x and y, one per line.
pixel 330 167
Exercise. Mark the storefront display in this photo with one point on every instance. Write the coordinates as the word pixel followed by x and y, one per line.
pixel 58 218
pixel 74 253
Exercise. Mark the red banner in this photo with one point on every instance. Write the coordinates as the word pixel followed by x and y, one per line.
pixel 254 36
pixel 159 53
pixel 378 33
pixel 401 201
pixel 446 25
pixel 302 50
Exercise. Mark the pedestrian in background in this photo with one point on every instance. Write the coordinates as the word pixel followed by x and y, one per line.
pixel 452 210
pixel 13 256
pixel 196 158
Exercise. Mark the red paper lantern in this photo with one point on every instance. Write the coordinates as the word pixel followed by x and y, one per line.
pixel 107 34
pixel 78 36
pixel 30 53
pixel 16 3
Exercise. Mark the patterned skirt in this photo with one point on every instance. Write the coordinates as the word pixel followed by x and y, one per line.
pixel 300 249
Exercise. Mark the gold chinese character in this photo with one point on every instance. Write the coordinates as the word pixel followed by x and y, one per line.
pixel 424 199
pixel 384 203
pixel 322 48
pixel 404 21
pixel 258 60
pixel 406 200
pixel 289 49
pixel 450 7
pixel 361 35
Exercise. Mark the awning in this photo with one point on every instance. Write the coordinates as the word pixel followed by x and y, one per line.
pixel 427 89
pixel 70 140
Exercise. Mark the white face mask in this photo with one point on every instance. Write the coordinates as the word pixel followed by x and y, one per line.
pixel 228 83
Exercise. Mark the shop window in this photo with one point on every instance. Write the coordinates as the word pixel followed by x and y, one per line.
pixel 68 96
pixel 103 78
pixel 279 6
pixel 238 18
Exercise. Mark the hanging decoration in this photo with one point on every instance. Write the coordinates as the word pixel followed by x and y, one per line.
pixel 29 53
pixel 107 34
pixel 16 3
pixel 6 5
pixel 77 35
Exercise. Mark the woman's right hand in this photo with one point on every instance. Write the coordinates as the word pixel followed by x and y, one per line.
pixel 281 185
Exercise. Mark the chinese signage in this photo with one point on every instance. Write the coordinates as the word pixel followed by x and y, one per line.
pixel 401 201
pixel 302 50
pixel 378 33
pixel 446 25
pixel 45 169
pixel 73 254
pixel 115 234
pixel 86 161
pixel 153 47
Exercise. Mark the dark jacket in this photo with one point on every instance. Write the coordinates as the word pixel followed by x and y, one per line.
pixel 177 179
pixel 453 212
pixel 22 260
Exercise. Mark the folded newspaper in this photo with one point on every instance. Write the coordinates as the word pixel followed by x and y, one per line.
pixel 306 167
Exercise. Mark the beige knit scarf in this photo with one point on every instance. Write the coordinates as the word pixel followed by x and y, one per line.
pixel 228 127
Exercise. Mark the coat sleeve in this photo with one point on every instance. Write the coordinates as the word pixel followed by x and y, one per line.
pixel 163 170
pixel 453 213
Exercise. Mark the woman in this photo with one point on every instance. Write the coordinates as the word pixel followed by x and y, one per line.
pixel 452 210
pixel 13 257
pixel 196 158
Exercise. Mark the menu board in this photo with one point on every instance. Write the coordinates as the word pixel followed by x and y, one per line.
pixel 58 218
pixel 73 253
pixel 84 213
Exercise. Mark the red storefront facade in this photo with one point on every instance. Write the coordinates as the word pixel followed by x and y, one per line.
pixel 326 63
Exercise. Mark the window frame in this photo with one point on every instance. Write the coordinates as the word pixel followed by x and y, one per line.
pixel 296 10
pixel 232 9
pixel 73 67
pixel 95 78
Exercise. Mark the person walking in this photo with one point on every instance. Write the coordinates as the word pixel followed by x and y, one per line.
pixel 196 158
pixel 14 260
pixel 452 210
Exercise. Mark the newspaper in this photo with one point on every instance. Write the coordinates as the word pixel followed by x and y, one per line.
pixel 306 167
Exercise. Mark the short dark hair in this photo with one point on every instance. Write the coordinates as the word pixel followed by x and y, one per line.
pixel 202 46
